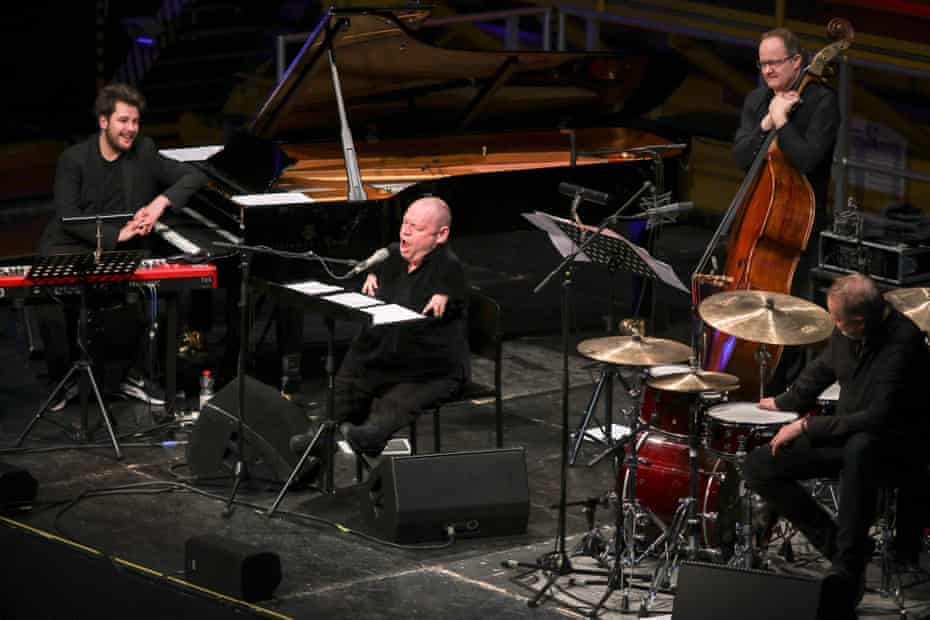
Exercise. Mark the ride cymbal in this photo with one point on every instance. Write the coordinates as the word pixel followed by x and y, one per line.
pixel 634 350
pixel 695 381
pixel 914 303
pixel 767 317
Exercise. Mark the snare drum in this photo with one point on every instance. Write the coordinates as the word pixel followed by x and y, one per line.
pixel 826 402
pixel 733 428
pixel 664 410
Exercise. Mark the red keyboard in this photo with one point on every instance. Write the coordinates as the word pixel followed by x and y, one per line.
pixel 152 272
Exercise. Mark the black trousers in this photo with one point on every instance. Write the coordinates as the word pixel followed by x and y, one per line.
pixel 116 330
pixel 864 463
pixel 384 406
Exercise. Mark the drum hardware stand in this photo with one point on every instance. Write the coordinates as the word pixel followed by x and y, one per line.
pixel 626 514
pixel 592 544
pixel 764 357
pixel 604 387
pixel 557 563
pixel 685 524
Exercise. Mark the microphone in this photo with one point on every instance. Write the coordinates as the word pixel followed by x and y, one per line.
pixel 377 258
pixel 591 195
pixel 669 209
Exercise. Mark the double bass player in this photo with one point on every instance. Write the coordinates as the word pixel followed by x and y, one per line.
pixel 806 131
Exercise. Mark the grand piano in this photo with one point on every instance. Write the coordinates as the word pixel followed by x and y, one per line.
pixel 369 117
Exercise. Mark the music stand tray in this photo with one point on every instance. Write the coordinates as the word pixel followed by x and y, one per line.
pixel 86 268
pixel 606 248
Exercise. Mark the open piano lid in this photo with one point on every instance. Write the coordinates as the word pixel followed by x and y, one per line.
pixel 394 82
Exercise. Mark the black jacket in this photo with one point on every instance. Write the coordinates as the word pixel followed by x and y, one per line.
pixel 432 349
pixel 883 390
pixel 78 180
pixel 807 139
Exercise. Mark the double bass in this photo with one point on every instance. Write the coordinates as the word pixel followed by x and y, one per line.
pixel 772 217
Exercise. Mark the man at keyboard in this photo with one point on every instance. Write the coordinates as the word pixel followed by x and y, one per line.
pixel 392 373
pixel 114 171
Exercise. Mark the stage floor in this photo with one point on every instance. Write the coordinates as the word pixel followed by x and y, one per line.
pixel 332 568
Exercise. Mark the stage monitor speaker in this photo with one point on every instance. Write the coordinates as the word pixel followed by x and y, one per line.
pixel 17 486
pixel 231 567
pixel 723 593
pixel 270 421
pixel 412 499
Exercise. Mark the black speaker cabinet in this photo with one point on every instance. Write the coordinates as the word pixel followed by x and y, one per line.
pixel 413 499
pixel 270 421
pixel 724 593
pixel 17 485
pixel 231 567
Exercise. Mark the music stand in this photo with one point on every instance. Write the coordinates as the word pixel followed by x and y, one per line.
pixel 557 563
pixel 606 247
pixel 83 270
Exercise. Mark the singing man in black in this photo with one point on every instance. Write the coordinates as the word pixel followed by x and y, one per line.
pixel 392 373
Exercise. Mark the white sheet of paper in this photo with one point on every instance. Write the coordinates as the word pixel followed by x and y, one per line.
pixel 193 153
pixel 353 300
pixel 392 313
pixel 312 287
pixel 273 198
pixel 596 433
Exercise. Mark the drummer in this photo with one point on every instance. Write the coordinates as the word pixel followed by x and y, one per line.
pixel 879 358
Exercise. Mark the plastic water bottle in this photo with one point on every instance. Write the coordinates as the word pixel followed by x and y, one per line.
pixel 206 388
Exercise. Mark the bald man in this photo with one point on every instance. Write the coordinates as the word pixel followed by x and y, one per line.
pixel 391 374
pixel 876 438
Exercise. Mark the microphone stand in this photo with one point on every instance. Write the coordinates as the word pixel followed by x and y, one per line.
pixel 558 562
pixel 240 470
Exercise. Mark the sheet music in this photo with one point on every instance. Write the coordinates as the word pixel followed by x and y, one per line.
pixel 194 153
pixel 312 287
pixel 392 313
pixel 353 300
pixel 565 246
pixel 273 198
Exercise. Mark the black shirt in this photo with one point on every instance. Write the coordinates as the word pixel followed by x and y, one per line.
pixel 884 384
pixel 430 349
pixel 807 139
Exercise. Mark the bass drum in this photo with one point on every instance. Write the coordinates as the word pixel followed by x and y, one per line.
pixel 662 481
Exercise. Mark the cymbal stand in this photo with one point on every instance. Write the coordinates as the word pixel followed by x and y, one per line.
pixel 763 356
pixel 604 388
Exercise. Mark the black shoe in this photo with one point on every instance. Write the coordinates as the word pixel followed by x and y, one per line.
pixel 364 439
pixel 311 471
pixel 298 443
pixel 145 390
pixel 65 395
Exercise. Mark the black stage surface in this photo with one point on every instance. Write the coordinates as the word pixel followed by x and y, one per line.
pixel 142 509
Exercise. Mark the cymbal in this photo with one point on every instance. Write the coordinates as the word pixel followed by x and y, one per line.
pixel 913 302
pixel 634 350
pixel 767 317
pixel 695 381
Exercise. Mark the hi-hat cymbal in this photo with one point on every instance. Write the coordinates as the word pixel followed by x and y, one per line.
pixel 913 302
pixel 764 316
pixel 695 381
pixel 634 350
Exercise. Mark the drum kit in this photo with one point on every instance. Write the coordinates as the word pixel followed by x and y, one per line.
pixel 682 456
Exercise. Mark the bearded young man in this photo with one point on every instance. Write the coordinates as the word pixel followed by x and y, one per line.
pixel 116 170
